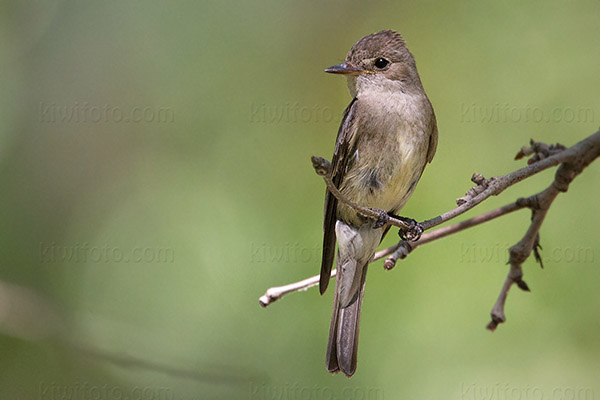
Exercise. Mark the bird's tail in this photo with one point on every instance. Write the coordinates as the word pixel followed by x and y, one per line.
pixel 356 246
pixel 342 348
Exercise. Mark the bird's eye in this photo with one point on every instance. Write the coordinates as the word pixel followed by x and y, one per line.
pixel 381 63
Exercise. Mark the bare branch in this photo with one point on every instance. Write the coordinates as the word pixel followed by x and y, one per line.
pixel 495 186
pixel 275 293
pixel 403 248
pixel 589 150
pixel 572 162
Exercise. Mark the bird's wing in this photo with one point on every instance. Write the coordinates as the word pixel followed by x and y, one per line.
pixel 433 139
pixel 344 148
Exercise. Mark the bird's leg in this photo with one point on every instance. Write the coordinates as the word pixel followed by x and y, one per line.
pixel 413 232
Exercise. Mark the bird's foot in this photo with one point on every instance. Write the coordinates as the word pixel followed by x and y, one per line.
pixel 413 232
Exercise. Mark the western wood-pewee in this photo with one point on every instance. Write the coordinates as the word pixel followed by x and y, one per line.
pixel 387 135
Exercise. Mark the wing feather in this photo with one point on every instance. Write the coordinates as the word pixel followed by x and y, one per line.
pixel 433 139
pixel 343 151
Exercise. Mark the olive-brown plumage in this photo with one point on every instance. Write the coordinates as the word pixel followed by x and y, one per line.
pixel 387 135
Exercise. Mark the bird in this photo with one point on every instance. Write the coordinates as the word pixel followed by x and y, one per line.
pixel 387 135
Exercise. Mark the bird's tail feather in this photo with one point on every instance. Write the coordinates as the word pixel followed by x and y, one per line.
pixel 342 348
pixel 356 247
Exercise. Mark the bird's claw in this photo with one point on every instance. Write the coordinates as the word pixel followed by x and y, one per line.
pixel 413 232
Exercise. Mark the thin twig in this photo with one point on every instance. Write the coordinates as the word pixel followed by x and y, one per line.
pixel 275 293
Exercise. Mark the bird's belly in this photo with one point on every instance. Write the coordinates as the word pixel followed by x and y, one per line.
pixel 385 181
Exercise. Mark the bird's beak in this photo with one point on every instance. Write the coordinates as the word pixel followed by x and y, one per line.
pixel 346 68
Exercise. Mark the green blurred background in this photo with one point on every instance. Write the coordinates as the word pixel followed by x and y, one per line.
pixel 155 174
